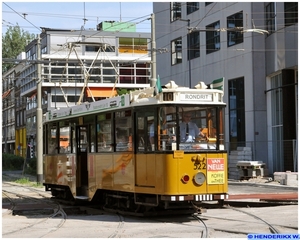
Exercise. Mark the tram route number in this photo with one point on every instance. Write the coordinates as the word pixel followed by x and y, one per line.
pixel 200 165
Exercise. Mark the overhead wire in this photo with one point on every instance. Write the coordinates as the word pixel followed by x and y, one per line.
pixel 21 16
pixel 177 29
pixel 64 46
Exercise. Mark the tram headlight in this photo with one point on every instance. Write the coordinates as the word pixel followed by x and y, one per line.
pixel 199 178
pixel 185 178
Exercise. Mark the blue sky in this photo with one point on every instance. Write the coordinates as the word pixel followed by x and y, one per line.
pixel 70 15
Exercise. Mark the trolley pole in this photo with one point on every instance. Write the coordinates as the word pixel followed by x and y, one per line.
pixel 153 52
pixel 39 116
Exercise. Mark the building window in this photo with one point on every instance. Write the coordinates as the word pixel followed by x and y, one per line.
pixel 290 13
pixel 212 37
pixel 270 17
pixel 57 98
pixel 236 112
pixel 277 121
pixel 91 48
pixel 207 3
pixel 175 11
pixel 234 36
pixel 44 50
pixel 192 7
pixel 193 45
pixel 176 51
pixel 133 45
pixel 74 99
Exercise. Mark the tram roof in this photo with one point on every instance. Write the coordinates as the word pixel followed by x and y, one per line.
pixel 170 94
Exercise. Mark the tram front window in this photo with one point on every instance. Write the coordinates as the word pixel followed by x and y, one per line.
pixel 187 128
pixel 197 128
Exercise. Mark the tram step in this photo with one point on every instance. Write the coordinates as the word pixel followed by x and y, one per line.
pixel 81 197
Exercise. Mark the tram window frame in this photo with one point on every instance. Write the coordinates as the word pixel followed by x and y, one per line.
pixel 205 116
pixel 90 122
pixel 52 130
pixel 104 122
pixel 64 126
pixel 93 139
pixel 167 128
pixel 140 133
pixel 143 122
pixel 123 130
pixel 209 123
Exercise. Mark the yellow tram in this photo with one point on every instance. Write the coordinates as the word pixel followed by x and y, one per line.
pixel 140 151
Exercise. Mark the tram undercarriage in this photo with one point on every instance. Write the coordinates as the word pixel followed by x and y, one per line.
pixel 146 204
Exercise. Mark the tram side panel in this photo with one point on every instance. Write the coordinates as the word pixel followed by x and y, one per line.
pixel 112 172
pixel 149 173
pixel 92 180
pixel 193 174
pixel 60 170
pixel 50 173
pixel 123 179
pixel 181 174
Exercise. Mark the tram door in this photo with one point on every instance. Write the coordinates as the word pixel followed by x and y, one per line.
pixel 82 151
pixel 145 163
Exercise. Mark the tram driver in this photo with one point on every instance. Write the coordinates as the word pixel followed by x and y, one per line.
pixel 189 131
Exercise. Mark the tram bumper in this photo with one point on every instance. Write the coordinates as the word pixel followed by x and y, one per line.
pixel 198 197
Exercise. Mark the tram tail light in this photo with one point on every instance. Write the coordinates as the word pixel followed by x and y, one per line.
pixel 185 178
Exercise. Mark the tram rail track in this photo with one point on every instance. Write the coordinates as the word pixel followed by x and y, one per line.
pixel 271 227
pixel 216 222
pixel 237 225
pixel 20 205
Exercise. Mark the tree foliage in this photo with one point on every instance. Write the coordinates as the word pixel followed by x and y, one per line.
pixel 13 43
pixel 123 91
pixel 12 162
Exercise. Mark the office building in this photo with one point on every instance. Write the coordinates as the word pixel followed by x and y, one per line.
pixel 253 46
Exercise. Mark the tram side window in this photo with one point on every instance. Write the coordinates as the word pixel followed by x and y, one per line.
pixel 123 131
pixel 140 134
pixel 166 128
pixel 151 132
pixel 92 138
pixel 91 132
pixel 52 139
pixel 104 133
pixel 64 140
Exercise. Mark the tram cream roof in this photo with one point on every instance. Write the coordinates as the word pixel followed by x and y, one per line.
pixel 171 94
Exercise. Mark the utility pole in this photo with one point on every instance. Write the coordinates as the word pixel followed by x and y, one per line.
pixel 39 116
pixel 153 53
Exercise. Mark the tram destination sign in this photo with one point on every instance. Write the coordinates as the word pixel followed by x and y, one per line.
pixel 196 97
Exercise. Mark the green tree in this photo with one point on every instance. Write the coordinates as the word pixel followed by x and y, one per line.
pixel 13 43
pixel 122 91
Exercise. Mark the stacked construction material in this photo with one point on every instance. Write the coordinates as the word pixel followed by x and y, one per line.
pixel 286 178
pixel 250 169
pixel 241 154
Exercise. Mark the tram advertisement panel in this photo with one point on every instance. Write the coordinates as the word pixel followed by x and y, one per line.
pixel 215 171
